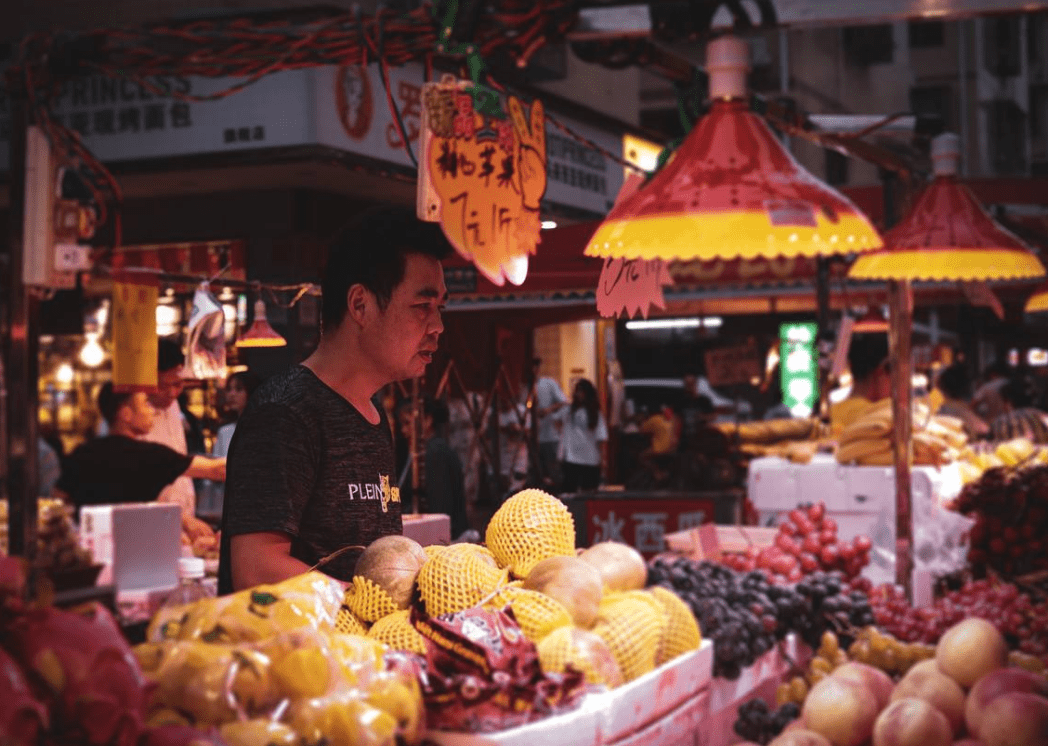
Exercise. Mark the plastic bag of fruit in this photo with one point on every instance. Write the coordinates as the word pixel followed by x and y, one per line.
pixel 310 600
pixel 483 674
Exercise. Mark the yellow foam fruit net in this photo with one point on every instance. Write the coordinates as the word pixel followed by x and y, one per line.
pixel 536 613
pixel 396 631
pixel 681 632
pixel 459 578
pixel 433 550
pixel 368 601
pixel 584 651
pixel 347 622
pixel 529 527
pixel 631 623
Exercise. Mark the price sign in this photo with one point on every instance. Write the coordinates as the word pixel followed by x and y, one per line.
pixel 629 286
pixel 134 332
pixel 482 178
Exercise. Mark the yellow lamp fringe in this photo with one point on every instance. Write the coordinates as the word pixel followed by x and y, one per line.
pixel 947 265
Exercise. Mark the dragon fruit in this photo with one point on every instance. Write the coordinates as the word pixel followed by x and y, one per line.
pixel 22 717
pixel 91 680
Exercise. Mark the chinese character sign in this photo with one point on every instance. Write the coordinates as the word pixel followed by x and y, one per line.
pixel 630 286
pixel 134 333
pixel 482 178
pixel 643 524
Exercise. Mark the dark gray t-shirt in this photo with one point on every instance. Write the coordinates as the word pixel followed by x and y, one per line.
pixel 303 461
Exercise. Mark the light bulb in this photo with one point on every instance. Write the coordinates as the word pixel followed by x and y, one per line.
pixel 64 374
pixel 92 354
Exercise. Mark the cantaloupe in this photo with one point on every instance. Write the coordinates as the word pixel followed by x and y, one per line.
pixel 392 563
pixel 576 584
pixel 621 566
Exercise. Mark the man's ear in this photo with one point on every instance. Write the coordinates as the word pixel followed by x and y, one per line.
pixel 358 301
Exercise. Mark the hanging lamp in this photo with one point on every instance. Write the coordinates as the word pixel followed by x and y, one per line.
pixel 732 191
pixel 1038 302
pixel 261 334
pixel 948 236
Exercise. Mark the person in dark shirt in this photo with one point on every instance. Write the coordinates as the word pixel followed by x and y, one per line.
pixel 119 468
pixel 311 470
pixel 445 486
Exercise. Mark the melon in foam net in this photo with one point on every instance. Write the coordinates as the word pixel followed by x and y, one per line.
pixel 577 585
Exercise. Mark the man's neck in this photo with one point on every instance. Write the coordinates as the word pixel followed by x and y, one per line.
pixel 329 363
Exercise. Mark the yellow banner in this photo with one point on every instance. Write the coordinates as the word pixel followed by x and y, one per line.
pixel 134 333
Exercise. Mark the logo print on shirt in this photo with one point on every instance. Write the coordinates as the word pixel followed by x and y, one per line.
pixel 382 491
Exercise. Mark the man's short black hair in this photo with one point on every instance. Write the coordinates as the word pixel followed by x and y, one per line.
pixel 866 353
pixel 372 251
pixel 955 383
pixel 1018 392
pixel 169 355
pixel 110 401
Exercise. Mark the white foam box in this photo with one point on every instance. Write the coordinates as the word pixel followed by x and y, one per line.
pixel 96 532
pixel 679 727
pixel 860 498
pixel 617 715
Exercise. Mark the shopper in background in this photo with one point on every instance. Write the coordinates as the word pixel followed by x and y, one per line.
pixel 871 379
pixel 311 466
pixel 1020 419
pixel 660 457
pixel 548 403
pixel 583 441
pixel 956 389
pixel 124 468
pixel 987 401
pixel 445 490
pixel 235 395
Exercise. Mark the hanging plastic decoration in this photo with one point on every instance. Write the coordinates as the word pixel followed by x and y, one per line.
pixel 482 178
pixel 206 353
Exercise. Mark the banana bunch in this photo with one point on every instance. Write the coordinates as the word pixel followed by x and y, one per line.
pixel 1016 452
pixel 937 440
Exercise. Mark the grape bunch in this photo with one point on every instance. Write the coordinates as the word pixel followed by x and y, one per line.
pixel 1010 509
pixel 835 606
pixel 1020 618
pixel 741 613
pixel 760 724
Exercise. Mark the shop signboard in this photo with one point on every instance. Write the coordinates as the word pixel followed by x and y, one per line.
pixel 134 331
pixel 730 366
pixel 799 366
pixel 643 524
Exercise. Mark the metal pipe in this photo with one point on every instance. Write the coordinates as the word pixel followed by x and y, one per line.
pixel 962 93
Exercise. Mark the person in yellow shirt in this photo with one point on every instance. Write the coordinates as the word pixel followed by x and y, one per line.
pixel 871 379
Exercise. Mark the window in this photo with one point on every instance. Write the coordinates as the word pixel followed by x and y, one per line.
pixel 1002 45
pixel 1007 137
pixel 869 45
pixel 933 105
pixel 836 168
pixel 926 34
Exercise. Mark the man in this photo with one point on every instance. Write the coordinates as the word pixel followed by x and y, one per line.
pixel 549 401
pixel 121 468
pixel 1020 418
pixel 871 379
pixel 169 427
pixel 311 470
pixel 445 485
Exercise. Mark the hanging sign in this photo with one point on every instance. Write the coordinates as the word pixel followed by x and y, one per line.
pixel 482 178
pixel 134 332
pixel 630 286
pixel 799 367
pixel 731 366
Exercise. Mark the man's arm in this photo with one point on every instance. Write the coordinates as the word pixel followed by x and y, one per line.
pixel 263 557
pixel 205 467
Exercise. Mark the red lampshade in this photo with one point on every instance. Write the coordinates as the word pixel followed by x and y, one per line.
pixel 261 334
pixel 731 190
pixel 948 235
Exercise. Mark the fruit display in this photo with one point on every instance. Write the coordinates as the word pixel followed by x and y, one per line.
pixel 57 545
pixel 266 665
pixel 1010 509
pixel 806 542
pixel 937 440
pixel 966 690
pixel 1018 616
pixel 744 614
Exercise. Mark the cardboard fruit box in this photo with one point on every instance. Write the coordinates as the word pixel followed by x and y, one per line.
pixel 712 542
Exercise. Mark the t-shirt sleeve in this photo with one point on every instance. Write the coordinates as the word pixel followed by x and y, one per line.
pixel 166 464
pixel 269 472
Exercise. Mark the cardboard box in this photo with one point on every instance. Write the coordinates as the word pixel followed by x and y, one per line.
pixel 712 542
pixel 428 528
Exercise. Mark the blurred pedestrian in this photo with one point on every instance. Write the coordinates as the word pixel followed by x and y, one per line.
pixel 583 440
pixel 956 389
pixel 1020 419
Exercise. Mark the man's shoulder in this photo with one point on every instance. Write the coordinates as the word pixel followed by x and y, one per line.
pixel 296 388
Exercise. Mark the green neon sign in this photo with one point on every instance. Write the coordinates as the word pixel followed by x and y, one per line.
pixel 799 367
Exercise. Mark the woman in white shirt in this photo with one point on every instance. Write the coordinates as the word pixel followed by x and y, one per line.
pixel 583 439
pixel 238 390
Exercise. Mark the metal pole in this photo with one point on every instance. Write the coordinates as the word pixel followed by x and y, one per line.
pixel 18 328
pixel 899 339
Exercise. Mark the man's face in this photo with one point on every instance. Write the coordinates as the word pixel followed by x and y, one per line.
pixel 140 413
pixel 169 385
pixel 401 339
